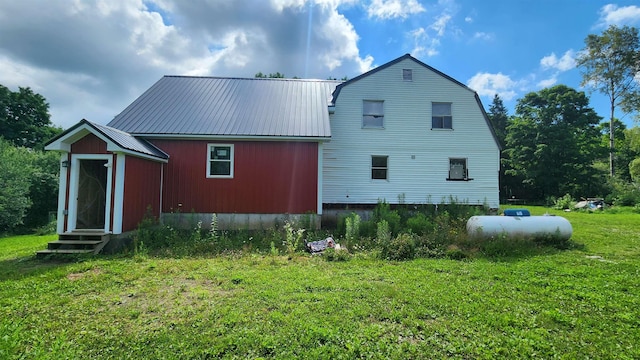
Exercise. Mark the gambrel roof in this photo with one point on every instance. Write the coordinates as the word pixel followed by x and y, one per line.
pixel 235 107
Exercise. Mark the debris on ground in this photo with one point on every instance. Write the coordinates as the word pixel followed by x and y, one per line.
pixel 319 246
pixel 591 204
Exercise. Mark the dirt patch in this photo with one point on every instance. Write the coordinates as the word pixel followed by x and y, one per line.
pixel 81 275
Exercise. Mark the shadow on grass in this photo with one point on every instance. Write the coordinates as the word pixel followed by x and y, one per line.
pixel 28 266
pixel 510 250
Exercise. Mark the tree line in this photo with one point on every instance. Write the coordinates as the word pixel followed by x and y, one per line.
pixel 555 144
pixel 28 175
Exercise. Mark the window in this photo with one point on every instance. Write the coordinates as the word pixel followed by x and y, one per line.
pixel 379 167
pixel 458 169
pixel 441 116
pixel 220 161
pixel 372 114
pixel 407 74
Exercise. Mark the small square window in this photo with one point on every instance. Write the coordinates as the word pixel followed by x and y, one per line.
pixel 379 167
pixel 407 74
pixel 458 169
pixel 220 161
pixel 372 114
pixel 441 116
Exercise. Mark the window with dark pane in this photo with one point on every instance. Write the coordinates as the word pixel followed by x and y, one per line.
pixel 372 114
pixel 407 74
pixel 458 169
pixel 220 161
pixel 441 116
pixel 379 167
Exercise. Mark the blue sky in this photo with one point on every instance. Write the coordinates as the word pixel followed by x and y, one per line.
pixel 91 58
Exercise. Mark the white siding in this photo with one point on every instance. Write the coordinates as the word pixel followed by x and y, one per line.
pixel 418 156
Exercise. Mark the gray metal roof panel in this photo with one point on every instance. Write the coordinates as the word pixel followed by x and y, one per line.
pixel 183 105
pixel 129 142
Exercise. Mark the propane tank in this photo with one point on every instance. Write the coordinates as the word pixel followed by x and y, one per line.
pixel 519 226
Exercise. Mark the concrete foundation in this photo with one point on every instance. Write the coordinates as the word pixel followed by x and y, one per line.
pixel 240 221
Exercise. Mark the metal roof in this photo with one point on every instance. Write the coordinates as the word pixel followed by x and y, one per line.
pixel 126 141
pixel 205 106
pixel 121 139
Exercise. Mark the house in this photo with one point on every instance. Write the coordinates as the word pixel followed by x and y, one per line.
pixel 256 150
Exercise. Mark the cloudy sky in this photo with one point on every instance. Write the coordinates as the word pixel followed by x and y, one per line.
pixel 91 58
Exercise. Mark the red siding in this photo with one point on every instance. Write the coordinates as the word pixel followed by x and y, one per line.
pixel 141 190
pixel 269 178
pixel 90 144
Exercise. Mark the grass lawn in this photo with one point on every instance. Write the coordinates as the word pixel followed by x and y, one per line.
pixel 576 303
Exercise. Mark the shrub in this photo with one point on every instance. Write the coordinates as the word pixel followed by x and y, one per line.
pixel 402 247
pixel 383 211
pixel 419 224
pixel 624 193
pixel 564 202
pixel 332 254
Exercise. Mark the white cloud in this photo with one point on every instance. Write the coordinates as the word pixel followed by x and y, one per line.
pixel 483 36
pixel 547 82
pixel 486 84
pixel 611 14
pixel 423 44
pixel 90 59
pixel 468 19
pixel 390 9
pixel 564 63
pixel 440 25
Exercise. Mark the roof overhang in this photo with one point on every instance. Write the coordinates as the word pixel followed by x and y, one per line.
pixel 234 137
pixel 64 141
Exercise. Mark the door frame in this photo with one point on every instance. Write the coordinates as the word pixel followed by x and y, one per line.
pixel 74 185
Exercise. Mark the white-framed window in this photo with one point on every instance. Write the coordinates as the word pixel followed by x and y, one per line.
pixel 373 114
pixel 458 169
pixel 220 161
pixel 441 116
pixel 407 74
pixel 379 167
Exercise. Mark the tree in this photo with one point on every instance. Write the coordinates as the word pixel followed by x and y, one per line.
pixel 15 175
pixel 499 118
pixel 552 143
pixel 610 64
pixel 276 75
pixel 24 118
pixel 625 151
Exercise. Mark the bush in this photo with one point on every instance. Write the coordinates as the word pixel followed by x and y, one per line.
pixel 564 202
pixel 383 211
pixel 624 193
pixel 402 247
pixel 420 224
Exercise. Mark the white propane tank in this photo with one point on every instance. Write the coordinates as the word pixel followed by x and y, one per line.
pixel 523 226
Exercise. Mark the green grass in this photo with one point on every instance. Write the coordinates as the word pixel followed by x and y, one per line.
pixel 576 303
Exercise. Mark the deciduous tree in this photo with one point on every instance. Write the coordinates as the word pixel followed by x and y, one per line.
pixel 24 118
pixel 552 143
pixel 611 65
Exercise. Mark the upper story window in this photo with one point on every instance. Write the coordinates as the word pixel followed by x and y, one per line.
pixel 458 169
pixel 407 74
pixel 220 161
pixel 373 114
pixel 379 167
pixel 441 116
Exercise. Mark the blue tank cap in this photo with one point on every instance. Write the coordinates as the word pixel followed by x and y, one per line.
pixel 516 212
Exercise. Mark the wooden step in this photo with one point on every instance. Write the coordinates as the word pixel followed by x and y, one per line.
pixel 64 251
pixel 76 242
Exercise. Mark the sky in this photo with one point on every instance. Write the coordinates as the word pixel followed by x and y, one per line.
pixel 92 58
